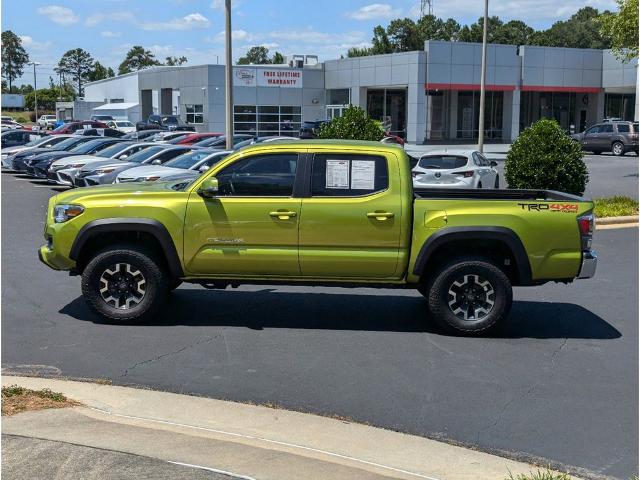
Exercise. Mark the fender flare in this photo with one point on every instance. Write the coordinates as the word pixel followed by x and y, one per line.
pixel 110 225
pixel 501 234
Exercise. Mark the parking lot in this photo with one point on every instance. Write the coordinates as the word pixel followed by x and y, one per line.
pixel 558 382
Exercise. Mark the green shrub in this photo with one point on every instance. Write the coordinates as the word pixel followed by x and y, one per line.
pixel 617 206
pixel 354 124
pixel 21 119
pixel 544 157
pixel 546 474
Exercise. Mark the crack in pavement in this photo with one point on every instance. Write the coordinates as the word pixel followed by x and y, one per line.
pixel 182 349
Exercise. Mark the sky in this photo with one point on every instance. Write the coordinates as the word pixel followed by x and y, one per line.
pixel 194 28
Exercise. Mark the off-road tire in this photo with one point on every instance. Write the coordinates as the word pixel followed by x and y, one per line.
pixel 617 148
pixel 441 282
pixel 140 260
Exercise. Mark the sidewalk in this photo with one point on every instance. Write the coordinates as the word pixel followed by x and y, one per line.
pixel 232 439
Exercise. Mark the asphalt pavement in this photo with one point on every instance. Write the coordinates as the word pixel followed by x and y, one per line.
pixel 560 381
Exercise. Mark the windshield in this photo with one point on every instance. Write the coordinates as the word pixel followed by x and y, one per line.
pixel 89 147
pixel 170 120
pixel 39 141
pixel 113 150
pixel 69 143
pixel 124 124
pixel 187 160
pixel 145 154
pixel 446 162
pixel 208 142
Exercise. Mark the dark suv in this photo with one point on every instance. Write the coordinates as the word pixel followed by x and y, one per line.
pixel 311 129
pixel 617 137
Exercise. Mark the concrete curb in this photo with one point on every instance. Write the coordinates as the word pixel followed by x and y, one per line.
pixel 324 443
pixel 617 220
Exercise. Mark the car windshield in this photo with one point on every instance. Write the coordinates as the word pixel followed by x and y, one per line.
pixel 72 142
pixel 88 146
pixel 208 142
pixel 113 150
pixel 170 120
pixel 124 124
pixel 445 162
pixel 187 160
pixel 145 154
pixel 40 141
pixel 175 138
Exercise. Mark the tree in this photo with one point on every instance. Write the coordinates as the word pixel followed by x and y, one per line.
pixel 545 157
pixel 77 63
pixel 137 59
pixel 581 30
pixel 514 32
pixel 621 29
pixel 358 52
pixel 175 61
pixel 403 35
pixel 47 98
pixel 380 42
pixel 14 57
pixel 100 72
pixel 255 55
pixel 278 59
pixel 354 124
pixel 473 32
pixel 431 27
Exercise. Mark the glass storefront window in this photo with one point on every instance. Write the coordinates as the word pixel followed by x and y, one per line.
pixel 267 120
pixel 619 105
pixel 338 96
pixel 560 106
pixel 194 114
pixel 468 115
pixel 389 107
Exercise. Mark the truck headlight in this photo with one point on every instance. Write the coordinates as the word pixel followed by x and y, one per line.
pixel 63 213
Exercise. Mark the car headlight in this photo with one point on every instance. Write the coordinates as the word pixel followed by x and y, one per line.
pixel 100 171
pixel 76 165
pixel 63 213
pixel 146 179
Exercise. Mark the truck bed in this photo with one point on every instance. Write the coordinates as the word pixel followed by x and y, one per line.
pixel 494 194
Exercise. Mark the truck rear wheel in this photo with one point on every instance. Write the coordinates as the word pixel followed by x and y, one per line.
pixel 125 284
pixel 469 295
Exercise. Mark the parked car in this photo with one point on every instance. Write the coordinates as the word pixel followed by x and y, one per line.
pixel 6 118
pixel 392 139
pixel 104 172
pixel 610 136
pixel 237 223
pixel 102 118
pixel 46 122
pixel 72 127
pixel 167 135
pixel 164 122
pixel 18 160
pixel 221 141
pixel 455 169
pixel 47 141
pixel 311 129
pixel 124 126
pixel 192 138
pixel 62 170
pixel 11 125
pixel 15 138
pixel 197 161
pixel 141 135
pixel 100 132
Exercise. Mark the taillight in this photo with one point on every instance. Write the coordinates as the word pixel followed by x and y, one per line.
pixel 586 225
pixel 464 174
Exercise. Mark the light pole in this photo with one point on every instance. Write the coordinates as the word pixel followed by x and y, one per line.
pixel 228 70
pixel 35 89
pixel 204 91
pixel 483 74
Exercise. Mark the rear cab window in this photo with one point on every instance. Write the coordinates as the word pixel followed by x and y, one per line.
pixel 346 175
pixel 443 162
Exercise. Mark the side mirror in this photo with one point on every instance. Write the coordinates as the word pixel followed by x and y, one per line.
pixel 493 163
pixel 208 188
pixel 122 157
pixel 157 161
pixel 204 168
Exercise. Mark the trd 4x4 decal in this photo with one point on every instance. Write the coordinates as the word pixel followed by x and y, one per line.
pixel 553 207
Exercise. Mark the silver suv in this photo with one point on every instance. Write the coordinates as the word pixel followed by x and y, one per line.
pixel 613 136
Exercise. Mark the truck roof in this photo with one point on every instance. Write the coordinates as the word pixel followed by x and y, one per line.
pixel 331 142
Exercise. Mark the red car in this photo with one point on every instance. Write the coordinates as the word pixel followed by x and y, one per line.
pixel 193 138
pixel 390 138
pixel 72 127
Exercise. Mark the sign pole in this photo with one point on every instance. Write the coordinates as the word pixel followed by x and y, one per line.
pixel 483 75
pixel 228 84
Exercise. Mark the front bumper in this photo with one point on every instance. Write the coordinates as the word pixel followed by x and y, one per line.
pixel 588 265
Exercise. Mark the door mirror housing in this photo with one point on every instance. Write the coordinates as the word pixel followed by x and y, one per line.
pixel 493 163
pixel 204 168
pixel 157 161
pixel 208 188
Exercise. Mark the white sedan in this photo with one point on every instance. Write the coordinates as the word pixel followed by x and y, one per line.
pixel 124 126
pixel 455 169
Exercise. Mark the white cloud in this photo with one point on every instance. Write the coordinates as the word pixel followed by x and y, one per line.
pixel 375 11
pixel 236 36
pixel 58 14
pixel 110 34
pixel 161 50
pixel 30 43
pixel 532 12
pixel 97 18
pixel 188 22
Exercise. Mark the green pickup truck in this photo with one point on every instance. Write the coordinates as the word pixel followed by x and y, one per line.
pixel 317 213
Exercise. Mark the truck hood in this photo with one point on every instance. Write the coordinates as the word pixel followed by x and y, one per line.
pixel 121 190
pixel 150 170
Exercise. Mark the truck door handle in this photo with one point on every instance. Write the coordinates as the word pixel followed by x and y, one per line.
pixel 382 216
pixel 283 215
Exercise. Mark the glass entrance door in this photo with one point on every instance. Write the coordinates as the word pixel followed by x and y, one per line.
pixel 389 106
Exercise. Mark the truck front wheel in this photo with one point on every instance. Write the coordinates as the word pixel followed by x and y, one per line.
pixel 125 284
pixel 468 295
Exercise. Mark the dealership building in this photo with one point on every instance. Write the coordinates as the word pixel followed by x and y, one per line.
pixel 423 96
